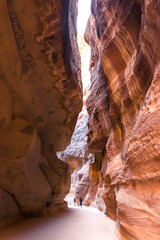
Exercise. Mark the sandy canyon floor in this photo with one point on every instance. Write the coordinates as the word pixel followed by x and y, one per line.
pixel 74 224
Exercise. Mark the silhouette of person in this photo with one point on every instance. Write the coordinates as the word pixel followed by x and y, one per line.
pixel 74 200
pixel 80 201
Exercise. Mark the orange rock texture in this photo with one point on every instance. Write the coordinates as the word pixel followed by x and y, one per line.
pixel 40 98
pixel 124 112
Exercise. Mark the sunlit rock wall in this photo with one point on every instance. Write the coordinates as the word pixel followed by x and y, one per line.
pixel 85 167
pixel 77 151
pixel 124 111
pixel 40 98
pixel 78 156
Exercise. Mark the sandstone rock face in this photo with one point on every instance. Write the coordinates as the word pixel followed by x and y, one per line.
pixel 78 156
pixel 85 167
pixel 77 152
pixel 9 209
pixel 40 98
pixel 124 111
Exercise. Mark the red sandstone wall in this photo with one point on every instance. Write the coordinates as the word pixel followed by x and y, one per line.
pixel 124 112
pixel 40 98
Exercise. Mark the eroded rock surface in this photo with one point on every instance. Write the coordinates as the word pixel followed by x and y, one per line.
pixel 78 156
pixel 85 167
pixel 77 152
pixel 124 111
pixel 40 98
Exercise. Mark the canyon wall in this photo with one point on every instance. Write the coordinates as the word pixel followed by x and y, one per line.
pixel 78 156
pixel 84 166
pixel 124 112
pixel 40 98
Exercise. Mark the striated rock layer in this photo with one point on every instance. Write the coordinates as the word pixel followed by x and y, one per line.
pixel 124 111
pixel 40 98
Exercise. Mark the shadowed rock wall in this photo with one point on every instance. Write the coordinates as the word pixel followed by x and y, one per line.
pixel 124 111
pixel 40 98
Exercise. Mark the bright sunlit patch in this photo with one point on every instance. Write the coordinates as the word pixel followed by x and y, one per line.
pixel 84 7
pixel 83 15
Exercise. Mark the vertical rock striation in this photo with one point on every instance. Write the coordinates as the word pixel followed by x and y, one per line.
pixel 40 98
pixel 124 111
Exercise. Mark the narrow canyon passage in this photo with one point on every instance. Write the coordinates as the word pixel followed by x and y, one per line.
pixel 104 125
pixel 74 224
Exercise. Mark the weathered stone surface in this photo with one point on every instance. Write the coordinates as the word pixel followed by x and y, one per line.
pixel 124 111
pixel 78 156
pixel 40 98
pixel 98 200
pixel 85 167
pixel 84 182
pixel 99 125
pixel 9 210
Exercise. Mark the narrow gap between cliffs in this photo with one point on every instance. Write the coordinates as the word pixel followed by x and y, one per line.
pixel 79 160
pixel 77 154
pixel 82 19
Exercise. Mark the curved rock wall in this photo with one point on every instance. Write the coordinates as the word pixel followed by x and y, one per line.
pixel 40 98
pixel 124 111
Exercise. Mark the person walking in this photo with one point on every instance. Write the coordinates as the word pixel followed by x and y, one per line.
pixel 74 200
pixel 80 201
